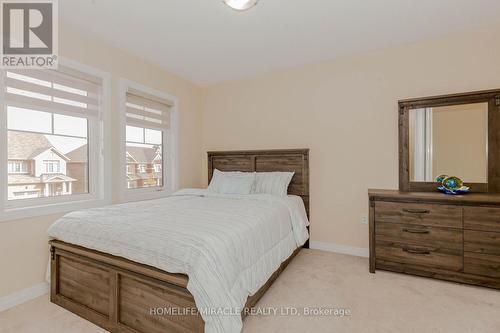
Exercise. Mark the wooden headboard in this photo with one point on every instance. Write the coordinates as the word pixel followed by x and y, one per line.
pixel 296 160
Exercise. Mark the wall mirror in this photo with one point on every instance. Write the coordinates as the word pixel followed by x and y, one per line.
pixel 456 135
pixel 437 148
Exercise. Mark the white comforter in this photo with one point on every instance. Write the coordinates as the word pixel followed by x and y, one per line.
pixel 227 245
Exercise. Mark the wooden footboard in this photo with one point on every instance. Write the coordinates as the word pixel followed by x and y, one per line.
pixel 123 296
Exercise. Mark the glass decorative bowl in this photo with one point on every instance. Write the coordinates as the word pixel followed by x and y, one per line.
pixel 452 183
pixel 453 186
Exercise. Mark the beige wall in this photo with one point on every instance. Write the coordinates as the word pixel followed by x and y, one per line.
pixel 23 243
pixel 460 140
pixel 345 111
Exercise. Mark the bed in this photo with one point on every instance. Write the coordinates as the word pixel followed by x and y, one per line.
pixel 126 291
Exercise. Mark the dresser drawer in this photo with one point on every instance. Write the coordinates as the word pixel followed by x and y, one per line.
pixel 418 235
pixel 482 218
pixel 418 255
pixel 419 214
pixel 482 264
pixel 482 242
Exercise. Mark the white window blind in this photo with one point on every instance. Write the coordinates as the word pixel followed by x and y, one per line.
pixel 147 111
pixel 61 92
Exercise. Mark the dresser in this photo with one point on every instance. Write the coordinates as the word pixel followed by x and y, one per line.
pixel 455 238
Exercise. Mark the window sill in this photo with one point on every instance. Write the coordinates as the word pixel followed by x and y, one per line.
pixel 21 212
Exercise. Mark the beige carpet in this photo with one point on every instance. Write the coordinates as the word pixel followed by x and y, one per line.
pixel 382 302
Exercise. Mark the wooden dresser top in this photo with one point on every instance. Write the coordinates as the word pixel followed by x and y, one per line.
pixel 470 198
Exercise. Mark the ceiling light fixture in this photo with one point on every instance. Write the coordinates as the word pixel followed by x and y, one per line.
pixel 241 4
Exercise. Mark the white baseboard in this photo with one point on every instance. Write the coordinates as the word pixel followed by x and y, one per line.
pixel 25 295
pixel 337 248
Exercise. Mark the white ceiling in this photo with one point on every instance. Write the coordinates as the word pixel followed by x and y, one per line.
pixel 207 42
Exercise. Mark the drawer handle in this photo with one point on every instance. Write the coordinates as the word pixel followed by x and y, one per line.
pixel 416 211
pixel 416 231
pixel 415 251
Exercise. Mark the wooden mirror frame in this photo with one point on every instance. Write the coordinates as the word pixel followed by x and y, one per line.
pixel 492 97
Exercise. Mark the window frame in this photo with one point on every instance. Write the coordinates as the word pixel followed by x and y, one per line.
pixel 169 147
pixel 98 143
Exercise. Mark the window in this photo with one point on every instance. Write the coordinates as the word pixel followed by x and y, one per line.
pixel 142 168
pixel 54 121
pixel 17 167
pixel 52 166
pixel 147 133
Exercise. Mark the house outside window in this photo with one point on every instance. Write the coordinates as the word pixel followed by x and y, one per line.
pixel 140 167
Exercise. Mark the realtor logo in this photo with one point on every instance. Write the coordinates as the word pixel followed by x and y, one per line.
pixel 29 33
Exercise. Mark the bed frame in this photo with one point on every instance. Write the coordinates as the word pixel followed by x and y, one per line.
pixel 123 296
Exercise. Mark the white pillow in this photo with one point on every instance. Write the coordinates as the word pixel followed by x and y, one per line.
pixel 232 182
pixel 215 182
pixel 275 183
